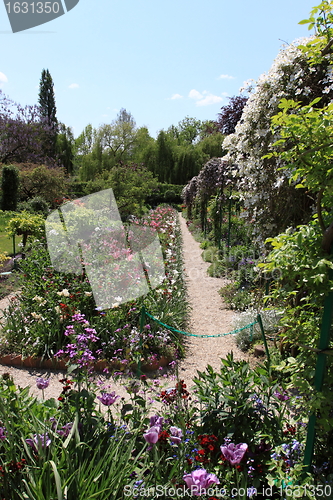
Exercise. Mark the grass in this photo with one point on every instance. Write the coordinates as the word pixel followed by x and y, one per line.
pixel 8 283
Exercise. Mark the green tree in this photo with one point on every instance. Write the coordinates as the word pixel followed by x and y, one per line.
pixel 26 224
pixel 46 99
pixel 49 183
pixel 9 186
pixel 65 148
pixel 117 140
pixel 189 130
pixel 132 185
pixel 48 110
pixel 165 156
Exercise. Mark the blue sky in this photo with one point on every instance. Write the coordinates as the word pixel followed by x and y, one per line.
pixel 160 60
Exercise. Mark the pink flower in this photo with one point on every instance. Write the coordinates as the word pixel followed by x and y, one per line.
pixel 151 436
pixel 234 452
pixel 199 480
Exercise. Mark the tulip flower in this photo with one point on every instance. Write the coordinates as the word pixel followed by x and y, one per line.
pixel 234 452
pixel 199 480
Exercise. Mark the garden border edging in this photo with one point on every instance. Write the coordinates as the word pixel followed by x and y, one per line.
pixel 61 364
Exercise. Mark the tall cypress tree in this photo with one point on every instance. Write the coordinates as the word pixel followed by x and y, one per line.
pixel 48 110
pixel 47 100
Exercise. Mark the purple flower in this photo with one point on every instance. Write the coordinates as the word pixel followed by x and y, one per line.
pixel 176 435
pixel 251 492
pixel 281 396
pixel 65 430
pixel 198 480
pixel 157 421
pixel 2 433
pixel 151 436
pixel 42 383
pixel 39 441
pixel 108 398
pixel 234 452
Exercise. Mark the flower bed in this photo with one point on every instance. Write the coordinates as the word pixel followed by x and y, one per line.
pixel 239 434
pixel 55 313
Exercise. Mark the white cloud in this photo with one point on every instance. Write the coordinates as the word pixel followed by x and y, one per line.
pixel 73 86
pixel 3 78
pixel 176 96
pixel 204 98
pixel 209 99
pixel 194 94
pixel 226 77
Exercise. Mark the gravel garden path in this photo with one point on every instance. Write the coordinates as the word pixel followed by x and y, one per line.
pixel 209 316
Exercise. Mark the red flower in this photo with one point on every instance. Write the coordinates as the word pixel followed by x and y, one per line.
pixel 163 436
pixel 291 429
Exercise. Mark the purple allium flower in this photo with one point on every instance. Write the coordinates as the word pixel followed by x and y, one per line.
pixel 42 383
pixel 234 452
pixel 108 398
pixel 198 480
pixel 2 433
pixel 176 435
pixel 39 441
pixel 151 436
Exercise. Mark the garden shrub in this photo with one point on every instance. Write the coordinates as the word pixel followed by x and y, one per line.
pixel 247 338
pixel 235 297
pixel 37 204
pixel 10 187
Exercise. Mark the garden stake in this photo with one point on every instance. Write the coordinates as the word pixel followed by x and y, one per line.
pixel 229 225
pixel 142 321
pixel 320 372
pixel 264 337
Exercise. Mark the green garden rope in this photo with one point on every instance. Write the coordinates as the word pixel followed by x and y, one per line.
pixel 171 328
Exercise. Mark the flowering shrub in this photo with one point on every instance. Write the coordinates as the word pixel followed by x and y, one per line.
pixel 270 199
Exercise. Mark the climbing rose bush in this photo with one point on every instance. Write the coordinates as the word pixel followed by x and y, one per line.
pixel 272 203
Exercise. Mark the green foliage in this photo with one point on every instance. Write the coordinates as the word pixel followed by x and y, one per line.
pixel 65 148
pixel 26 224
pixel 131 184
pixel 46 99
pixel 49 183
pixel 236 297
pixel 321 19
pixel 9 186
pixel 229 402
pixel 34 205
